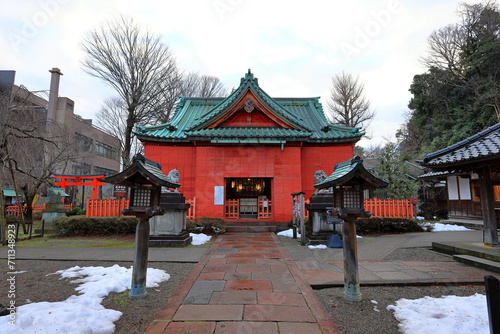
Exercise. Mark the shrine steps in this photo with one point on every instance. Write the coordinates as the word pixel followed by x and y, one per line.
pixel 250 227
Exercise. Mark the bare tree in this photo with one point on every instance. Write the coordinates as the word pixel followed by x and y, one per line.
pixel 450 47
pixel 29 153
pixel 113 114
pixel 194 84
pixel 347 104
pixel 135 63
pixel 112 117
pixel 191 84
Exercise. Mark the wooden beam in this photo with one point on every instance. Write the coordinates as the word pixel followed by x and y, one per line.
pixel 490 234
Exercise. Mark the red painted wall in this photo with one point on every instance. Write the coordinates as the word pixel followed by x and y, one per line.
pixel 203 167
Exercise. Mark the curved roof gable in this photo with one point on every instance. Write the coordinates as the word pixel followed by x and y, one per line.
pixel 249 84
pixel 212 119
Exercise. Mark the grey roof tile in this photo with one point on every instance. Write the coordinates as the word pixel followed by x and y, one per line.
pixel 484 144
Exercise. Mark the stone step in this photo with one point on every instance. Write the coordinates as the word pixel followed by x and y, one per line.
pixel 250 229
pixel 247 223
pixel 478 262
pixel 457 248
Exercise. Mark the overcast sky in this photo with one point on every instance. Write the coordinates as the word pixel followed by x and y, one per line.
pixel 292 47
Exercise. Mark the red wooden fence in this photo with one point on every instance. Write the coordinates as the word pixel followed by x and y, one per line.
pixel 403 208
pixel 192 209
pixel 113 207
pixel 106 207
pixel 14 209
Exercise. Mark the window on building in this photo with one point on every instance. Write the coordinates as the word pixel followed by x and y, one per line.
pixel 83 143
pixel 108 172
pixel 80 169
pixel 106 151
pixel 476 192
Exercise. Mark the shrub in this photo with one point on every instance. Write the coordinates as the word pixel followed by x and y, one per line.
pixel 207 225
pixel 75 212
pixel 11 218
pixel 37 216
pixel 379 225
pixel 81 225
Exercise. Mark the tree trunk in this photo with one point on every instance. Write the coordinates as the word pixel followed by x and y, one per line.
pixel 128 137
pixel 3 221
pixel 19 205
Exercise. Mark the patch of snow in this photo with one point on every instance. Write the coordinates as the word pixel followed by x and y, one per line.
pixel 439 227
pixel 449 314
pixel 79 314
pixel 199 239
pixel 317 247
pixel 289 233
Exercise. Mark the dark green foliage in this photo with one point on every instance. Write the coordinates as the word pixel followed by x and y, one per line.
pixel 207 225
pixel 82 226
pixel 378 225
pixel 459 95
pixel 392 169
pixel 76 212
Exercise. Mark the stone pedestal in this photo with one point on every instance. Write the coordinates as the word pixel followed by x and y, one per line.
pixel 318 218
pixel 54 209
pixel 169 229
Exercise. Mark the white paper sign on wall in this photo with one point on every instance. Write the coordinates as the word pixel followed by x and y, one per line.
pixel 218 195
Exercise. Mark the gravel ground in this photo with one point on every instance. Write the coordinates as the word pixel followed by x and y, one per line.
pixel 35 286
pixel 356 318
pixel 366 317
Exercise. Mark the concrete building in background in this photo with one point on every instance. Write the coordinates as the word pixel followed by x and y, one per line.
pixel 100 150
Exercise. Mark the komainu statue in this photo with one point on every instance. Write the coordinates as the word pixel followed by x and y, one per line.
pixel 320 176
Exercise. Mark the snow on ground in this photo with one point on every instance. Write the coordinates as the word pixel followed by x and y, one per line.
pixel 317 247
pixel 79 313
pixel 199 239
pixel 289 233
pixel 439 227
pixel 449 314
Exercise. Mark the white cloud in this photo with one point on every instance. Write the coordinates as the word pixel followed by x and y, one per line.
pixel 294 48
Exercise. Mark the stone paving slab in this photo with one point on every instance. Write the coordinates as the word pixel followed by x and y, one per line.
pixel 278 313
pixel 209 312
pixel 202 290
pixel 257 289
pixel 234 297
pixel 247 327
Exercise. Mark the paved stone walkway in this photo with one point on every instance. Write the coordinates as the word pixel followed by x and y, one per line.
pixel 246 283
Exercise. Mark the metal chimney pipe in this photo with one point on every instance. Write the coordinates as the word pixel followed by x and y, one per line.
pixel 54 93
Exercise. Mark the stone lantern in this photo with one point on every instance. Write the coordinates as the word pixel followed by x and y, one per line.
pixel 348 182
pixel 145 180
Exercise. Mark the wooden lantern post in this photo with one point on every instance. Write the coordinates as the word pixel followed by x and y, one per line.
pixel 145 180
pixel 349 180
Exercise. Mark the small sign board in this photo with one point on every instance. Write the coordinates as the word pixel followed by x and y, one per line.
pixel 218 195
pixel 119 191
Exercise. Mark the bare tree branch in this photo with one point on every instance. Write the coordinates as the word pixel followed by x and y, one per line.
pixel 347 104
pixel 135 63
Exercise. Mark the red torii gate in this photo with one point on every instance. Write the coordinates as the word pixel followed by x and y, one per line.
pixel 81 180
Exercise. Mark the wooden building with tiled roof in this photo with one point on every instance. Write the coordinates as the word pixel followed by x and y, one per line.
pixel 242 156
pixel 472 172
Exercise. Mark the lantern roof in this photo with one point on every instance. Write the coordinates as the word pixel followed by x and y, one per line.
pixel 351 173
pixel 142 171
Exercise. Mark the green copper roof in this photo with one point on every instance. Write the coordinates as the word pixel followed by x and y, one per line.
pixel 9 192
pixel 351 172
pixel 142 171
pixel 194 114
pixel 249 132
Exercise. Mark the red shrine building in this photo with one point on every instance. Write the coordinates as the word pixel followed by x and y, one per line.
pixel 241 157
